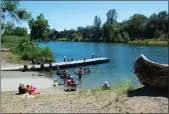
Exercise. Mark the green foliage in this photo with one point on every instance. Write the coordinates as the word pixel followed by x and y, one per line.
pixel 159 41
pixel 26 48
pixel 97 22
pixel 11 7
pixel 97 31
pixel 125 36
pixel 38 54
pixel 118 38
pixel 39 29
pixel 17 31
pixel 112 16
pixel 138 26
pixel 77 36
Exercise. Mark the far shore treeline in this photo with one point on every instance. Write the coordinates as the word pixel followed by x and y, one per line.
pixel 138 28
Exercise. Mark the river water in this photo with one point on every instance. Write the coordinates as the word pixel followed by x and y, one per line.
pixel 120 67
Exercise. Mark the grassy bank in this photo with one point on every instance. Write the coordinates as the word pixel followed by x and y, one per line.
pixel 24 50
pixel 155 42
pixel 13 58
pixel 85 101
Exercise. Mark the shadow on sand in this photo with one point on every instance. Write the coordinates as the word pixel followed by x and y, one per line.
pixel 149 91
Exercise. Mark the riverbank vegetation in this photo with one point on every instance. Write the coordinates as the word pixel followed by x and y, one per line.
pixel 162 41
pixel 25 49
pixel 23 46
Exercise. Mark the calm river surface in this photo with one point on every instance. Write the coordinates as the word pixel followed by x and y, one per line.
pixel 120 67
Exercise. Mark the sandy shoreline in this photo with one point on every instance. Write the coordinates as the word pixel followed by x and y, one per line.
pixel 11 79
pixel 55 100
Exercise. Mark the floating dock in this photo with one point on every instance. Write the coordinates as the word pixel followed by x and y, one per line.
pixel 59 64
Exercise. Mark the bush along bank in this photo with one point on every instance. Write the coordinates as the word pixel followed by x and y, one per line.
pixel 161 41
pixel 26 49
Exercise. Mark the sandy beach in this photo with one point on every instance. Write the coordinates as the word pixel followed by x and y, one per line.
pixel 11 79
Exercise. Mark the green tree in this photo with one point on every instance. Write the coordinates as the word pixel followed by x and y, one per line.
pixel 125 36
pixel 157 24
pixel 135 26
pixel 53 34
pixel 114 31
pixel 10 7
pixel 105 32
pixel 8 27
pixel 97 22
pixel 39 29
pixel 19 31
pixel 112 16
pixel 111 19
pixel 118 38
pixel 77 36
pixel 97 31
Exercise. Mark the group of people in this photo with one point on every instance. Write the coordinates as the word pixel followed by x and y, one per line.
pixel 80 71
pixel 25 88
pixel 69 80
pixel 67 60
pixel 40 61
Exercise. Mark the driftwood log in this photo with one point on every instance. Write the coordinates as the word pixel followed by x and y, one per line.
pixel 150 73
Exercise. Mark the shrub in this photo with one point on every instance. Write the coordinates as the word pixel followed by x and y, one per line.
pixel 26 48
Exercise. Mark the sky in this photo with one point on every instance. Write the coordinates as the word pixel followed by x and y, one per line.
pixel 71 14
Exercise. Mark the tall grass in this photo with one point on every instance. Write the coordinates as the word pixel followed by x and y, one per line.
pixel 160 42
pixel 123 86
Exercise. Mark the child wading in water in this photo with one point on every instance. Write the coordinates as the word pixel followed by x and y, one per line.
pixel 106 86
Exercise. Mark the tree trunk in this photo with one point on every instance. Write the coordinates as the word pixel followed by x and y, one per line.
pixel 150 73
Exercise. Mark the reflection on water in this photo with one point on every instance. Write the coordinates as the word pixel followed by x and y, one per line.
pixel 122 57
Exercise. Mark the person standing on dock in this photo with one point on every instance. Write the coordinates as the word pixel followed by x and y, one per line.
pixel 72 59
pixel 92 55
pixel 64 59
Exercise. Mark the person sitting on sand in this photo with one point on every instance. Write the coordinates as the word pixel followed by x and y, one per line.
pixel 22 89
pixel 31 90
pixel 106 86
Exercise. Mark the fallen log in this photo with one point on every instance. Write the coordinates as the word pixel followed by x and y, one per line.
pixel 150 73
